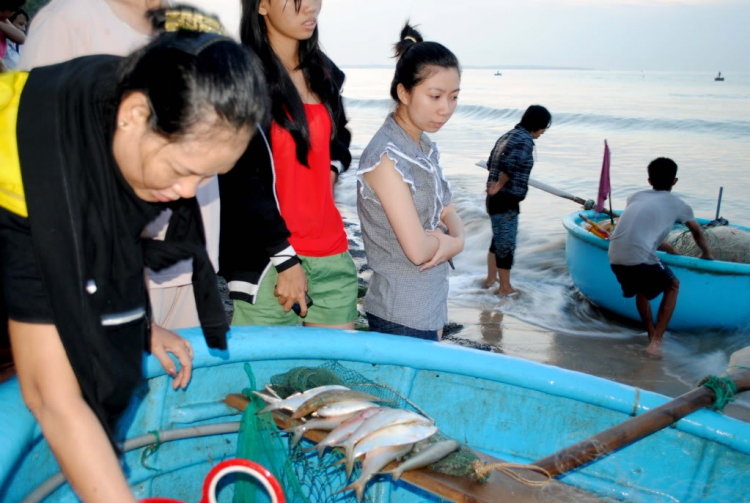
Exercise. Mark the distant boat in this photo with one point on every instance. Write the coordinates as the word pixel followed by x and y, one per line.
pixel 719 78
pixel 497 74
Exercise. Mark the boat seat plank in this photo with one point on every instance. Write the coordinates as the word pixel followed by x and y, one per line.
pixel 500 487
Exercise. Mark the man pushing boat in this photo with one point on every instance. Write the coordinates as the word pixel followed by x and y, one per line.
pixel 643 226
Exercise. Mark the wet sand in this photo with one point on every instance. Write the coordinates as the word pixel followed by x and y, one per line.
pixel 622 360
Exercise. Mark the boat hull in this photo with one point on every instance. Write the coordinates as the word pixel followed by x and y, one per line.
pixel 510 408
pixel 712 294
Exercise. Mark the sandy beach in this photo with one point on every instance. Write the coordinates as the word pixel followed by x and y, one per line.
pixel 620 360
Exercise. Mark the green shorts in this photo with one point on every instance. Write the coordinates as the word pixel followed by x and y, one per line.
pixel 331 284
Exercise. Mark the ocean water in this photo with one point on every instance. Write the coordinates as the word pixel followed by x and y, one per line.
pixel 703 125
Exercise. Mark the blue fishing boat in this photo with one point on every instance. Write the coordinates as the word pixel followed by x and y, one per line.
pixel 509 408
pixel 713 294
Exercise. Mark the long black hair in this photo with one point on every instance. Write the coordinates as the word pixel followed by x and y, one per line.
pixel 13 5
pixel 287 108
pixel 19 13
pixel 418 60
pixel 192 70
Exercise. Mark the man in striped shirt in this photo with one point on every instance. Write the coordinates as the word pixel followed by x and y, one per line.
pixel 509 168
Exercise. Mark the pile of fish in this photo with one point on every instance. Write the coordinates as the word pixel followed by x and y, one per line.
pixel 362 429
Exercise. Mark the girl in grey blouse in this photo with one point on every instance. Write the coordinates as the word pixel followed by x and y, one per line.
pixel 409 226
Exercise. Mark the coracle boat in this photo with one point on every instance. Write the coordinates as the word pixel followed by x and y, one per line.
pixel 501 406
pixel 713 293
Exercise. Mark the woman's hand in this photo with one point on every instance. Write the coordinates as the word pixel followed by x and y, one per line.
pixel 164 341
pixel 448 247
pixel 450 238
pixel 291 287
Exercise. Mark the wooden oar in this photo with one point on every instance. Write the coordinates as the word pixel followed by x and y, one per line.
pixel 554 190
pixel 639 427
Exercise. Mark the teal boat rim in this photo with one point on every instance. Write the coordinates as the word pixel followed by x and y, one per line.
pixel 572 223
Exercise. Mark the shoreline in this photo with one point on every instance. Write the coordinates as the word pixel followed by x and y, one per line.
pixel 623 360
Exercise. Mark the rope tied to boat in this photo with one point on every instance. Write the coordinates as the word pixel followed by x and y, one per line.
pixel 150 450
pixel 723 387
pixel 512 470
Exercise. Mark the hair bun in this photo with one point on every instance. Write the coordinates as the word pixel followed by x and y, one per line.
pixel 409 37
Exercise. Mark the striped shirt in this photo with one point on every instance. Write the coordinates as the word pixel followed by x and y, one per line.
pixel 513 155
pixel 398 291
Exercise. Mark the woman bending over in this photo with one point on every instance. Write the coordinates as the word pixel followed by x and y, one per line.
pixel 124 138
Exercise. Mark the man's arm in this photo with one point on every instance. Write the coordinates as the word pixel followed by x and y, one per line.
pixel 666 247
pixel 494 188
pixel 700 238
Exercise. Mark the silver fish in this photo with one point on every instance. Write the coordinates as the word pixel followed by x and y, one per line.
pixel 345 429
pixel 398 434
pixel 269 389
pixel 347 407
pixel 427 456
pixel 374 461
pixel 386 417
pixel 332 396
pixel 326 424
pixel 292 402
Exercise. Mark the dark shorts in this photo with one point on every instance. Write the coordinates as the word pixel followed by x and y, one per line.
pixel 649 280
pixel 20 278
pixel 504 232
pixel 378 324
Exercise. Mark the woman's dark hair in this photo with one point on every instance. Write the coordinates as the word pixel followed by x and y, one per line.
pixel 19 12
pixel 536 117
pixel 287 108
pixel 418 60
pixel 13 5
pixel 187 75
pixel 661 173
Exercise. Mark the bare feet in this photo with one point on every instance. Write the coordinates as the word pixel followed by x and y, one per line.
pixel 507 292
pixel 488 282
pixel 654 349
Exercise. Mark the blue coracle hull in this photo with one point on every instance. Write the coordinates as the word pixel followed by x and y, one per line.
pixel 713 294
pixel 513 409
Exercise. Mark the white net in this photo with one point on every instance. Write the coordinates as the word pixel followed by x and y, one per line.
pixel 726 243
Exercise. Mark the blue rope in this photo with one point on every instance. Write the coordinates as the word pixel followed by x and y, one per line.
pixel 723 387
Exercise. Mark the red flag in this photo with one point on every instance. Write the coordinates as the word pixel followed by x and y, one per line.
pixel 605 189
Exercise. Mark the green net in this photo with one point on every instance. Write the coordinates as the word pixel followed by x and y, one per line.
pixel 305 477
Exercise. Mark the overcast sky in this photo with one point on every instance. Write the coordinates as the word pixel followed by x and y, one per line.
pixel 704 35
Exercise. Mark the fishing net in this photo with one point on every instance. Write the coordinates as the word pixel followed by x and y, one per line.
pixel 726 243
pixel 304 477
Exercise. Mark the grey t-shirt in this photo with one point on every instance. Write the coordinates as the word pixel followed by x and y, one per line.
pixel 644 224
pixel 398 291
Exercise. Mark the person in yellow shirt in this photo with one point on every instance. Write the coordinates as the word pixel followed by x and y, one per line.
pixel 90 151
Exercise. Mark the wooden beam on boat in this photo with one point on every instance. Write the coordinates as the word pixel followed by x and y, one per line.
pixel 499 487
